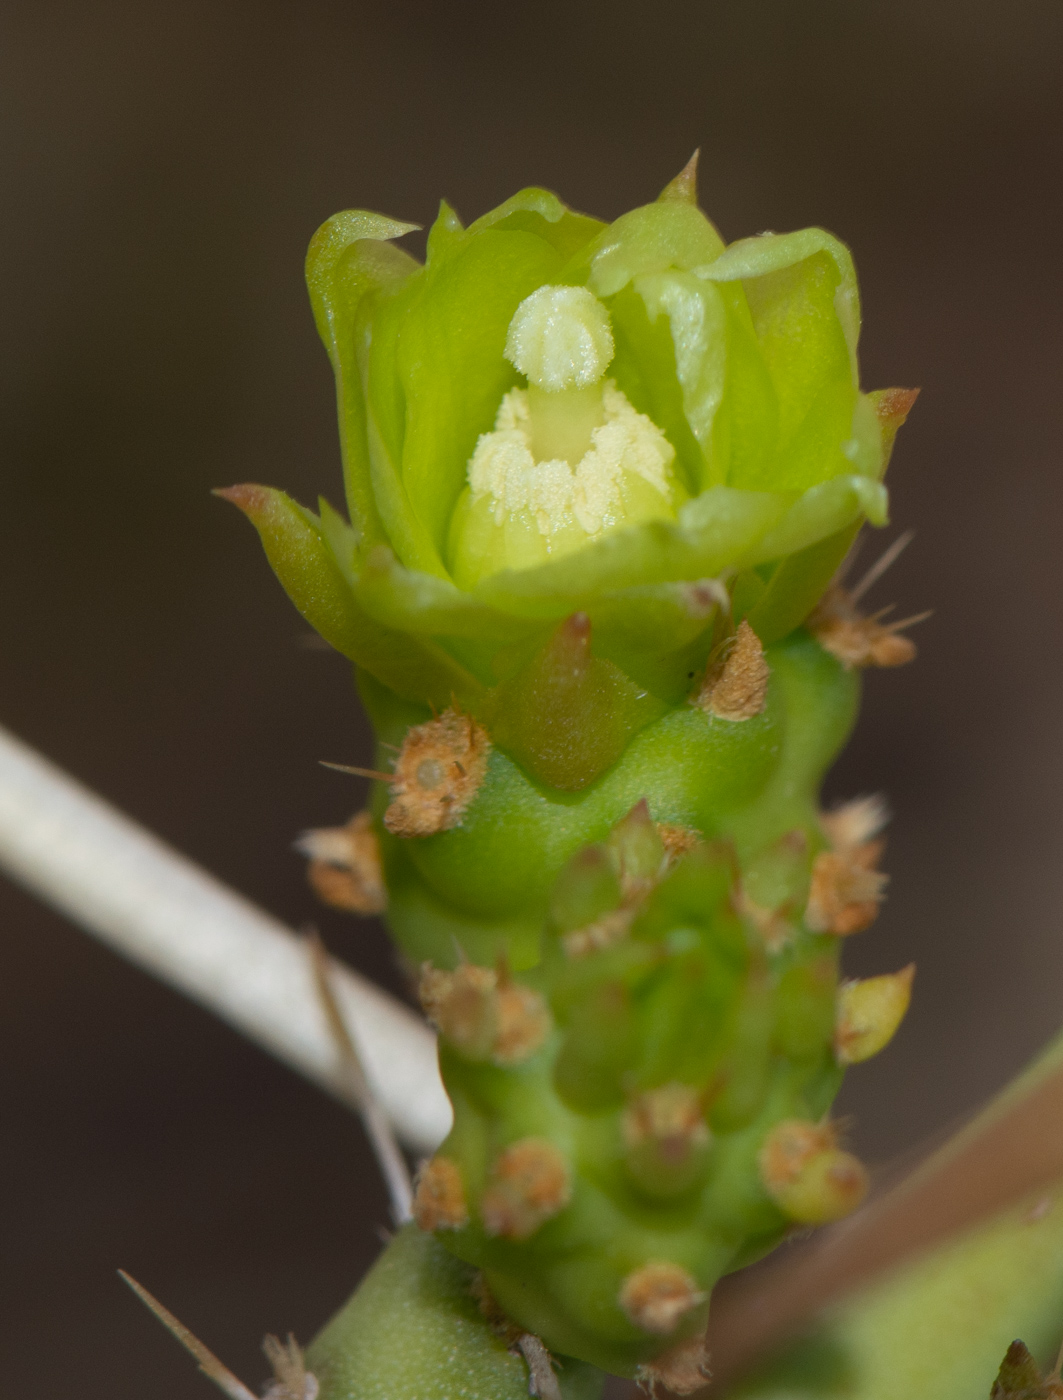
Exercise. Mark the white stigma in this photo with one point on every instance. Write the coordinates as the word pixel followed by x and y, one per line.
pixel 560 338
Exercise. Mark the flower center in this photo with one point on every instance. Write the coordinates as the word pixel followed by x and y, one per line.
pixel 569 457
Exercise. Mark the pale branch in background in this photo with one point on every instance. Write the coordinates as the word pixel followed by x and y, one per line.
pixel 173 919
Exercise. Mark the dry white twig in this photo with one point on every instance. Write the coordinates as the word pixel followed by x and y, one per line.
pixel 169 916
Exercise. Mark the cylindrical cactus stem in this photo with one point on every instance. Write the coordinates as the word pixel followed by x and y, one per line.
pixel 666 1120
pixel 414 1330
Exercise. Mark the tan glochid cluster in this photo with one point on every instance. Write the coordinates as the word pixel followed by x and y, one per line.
pixel 847 886
pixel 439 768
pixel 736 688
pixel 345 869
pixel 808 1175
pixel 529 1184
pixel 657 1296
pixel 439 1197
pixel 681 1370
pixel 483 1013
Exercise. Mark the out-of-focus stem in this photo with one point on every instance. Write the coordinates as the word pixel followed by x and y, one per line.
pixel 1011 1149
pixel 176 921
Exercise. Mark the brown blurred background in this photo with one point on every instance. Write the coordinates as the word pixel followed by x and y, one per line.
pixel 163 166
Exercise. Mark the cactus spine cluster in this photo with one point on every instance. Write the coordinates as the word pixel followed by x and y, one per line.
pixel 600 481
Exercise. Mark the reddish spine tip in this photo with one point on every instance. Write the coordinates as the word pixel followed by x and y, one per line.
pixel 251 499
pixel 896 404
pixel 576 630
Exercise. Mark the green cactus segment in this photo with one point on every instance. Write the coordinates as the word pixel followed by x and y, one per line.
pixel 483 885
pixel 413 1331
pixel 614 1105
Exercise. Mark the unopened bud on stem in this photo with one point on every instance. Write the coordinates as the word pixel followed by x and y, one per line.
pixel 869 1012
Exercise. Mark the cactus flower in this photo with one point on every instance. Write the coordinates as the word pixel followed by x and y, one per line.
pixel 598 479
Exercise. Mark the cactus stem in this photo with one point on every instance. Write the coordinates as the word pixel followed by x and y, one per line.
pixel 681 1369
pixel 345 869
pixel 437 774
pixel 736 687
pixel 657 1296
pixel 869 1012
pixel 529 1185
pixel 439 1200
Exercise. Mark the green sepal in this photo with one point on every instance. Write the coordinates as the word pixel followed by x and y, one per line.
pixel 773 253
pixel 322 589
pixel 413 1331
pixel 301 558
pixel 797 585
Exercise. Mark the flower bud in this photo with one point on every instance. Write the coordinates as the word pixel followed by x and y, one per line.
pixel 869 1012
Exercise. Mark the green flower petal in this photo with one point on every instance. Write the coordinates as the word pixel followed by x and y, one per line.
pixel 538 211
pixel 348 260
pixel 820 512
pixel 780 252
pixel 320 587
pixel 449 359
pixel 650 239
